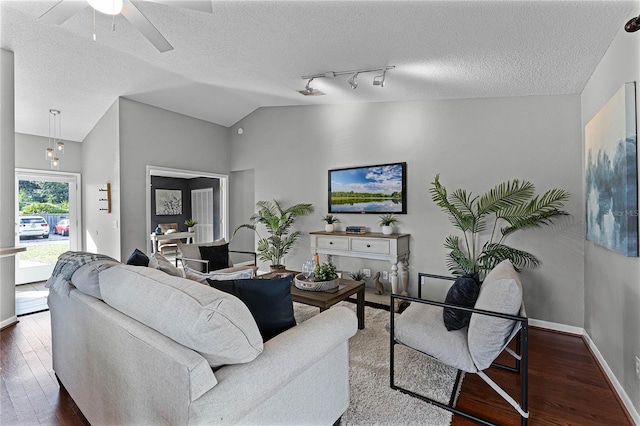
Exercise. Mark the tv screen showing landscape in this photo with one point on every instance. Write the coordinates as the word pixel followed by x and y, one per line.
pixel 369 189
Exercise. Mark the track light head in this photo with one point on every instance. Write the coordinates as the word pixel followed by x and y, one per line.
pixel 633 25
pixel 353 81
pixel 310 91
pixel 381 78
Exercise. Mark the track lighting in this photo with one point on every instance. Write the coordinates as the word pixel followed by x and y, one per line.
pixel 632 25
pixel 380 82
pixel 353 81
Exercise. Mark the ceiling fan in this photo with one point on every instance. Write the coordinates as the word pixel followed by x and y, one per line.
pixel 65 9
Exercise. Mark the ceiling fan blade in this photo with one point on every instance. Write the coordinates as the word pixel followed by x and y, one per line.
pixel 138 20
pixel 62 11
pixel 199 5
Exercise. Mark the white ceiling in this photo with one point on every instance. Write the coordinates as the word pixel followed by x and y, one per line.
pixel 247 55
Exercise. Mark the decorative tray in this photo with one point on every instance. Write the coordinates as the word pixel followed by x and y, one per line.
pixel 303 284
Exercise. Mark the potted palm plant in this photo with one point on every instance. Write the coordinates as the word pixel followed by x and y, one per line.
pixel 386 222
pixel 278 222
pixel 512 205
pixel 330 220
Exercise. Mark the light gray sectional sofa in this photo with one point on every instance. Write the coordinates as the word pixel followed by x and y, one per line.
pixel 160 349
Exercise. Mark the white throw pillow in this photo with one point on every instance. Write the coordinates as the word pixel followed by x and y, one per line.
pixel 501 292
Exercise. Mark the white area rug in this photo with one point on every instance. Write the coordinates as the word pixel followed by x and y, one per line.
pixel 373 402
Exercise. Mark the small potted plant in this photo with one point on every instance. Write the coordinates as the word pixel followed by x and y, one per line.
pixel 190 224
pixel 386 222
pixel 330 219
pixel 325 278
pixel 357 275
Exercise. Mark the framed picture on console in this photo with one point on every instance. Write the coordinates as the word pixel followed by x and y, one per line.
pixel 374 189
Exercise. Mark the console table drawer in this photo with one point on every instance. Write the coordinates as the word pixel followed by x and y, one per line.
pixel 336 243
pixel 370 245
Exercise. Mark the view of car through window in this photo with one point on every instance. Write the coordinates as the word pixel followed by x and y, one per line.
pixel 33 226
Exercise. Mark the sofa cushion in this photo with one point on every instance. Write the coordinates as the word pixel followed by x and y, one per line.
pixel 235 273
pixel 269 301
pixel 463 292
pixel 501 292
pixel 158 261
pixel 86 280
pixel 192 251
pixel 211 322
pixel 138 258
pixel 218 256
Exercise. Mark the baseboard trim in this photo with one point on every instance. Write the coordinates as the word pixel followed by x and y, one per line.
pixel 8 322
pixel 624 398
pixel 563 328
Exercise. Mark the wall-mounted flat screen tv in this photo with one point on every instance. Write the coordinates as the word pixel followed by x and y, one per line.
pixel 369 189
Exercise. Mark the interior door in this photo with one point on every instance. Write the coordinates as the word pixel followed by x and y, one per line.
pixel 202 210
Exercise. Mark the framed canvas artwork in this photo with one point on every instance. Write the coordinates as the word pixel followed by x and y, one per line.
pixel 611 162
pixel 168 202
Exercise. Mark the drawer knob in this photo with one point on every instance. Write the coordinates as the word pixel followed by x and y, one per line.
pixel 368 245
pixel 330 242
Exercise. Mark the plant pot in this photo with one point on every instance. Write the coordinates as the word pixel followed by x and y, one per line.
pixel 387 230
pixel 329 227
pixel 277 268
pixel 191 229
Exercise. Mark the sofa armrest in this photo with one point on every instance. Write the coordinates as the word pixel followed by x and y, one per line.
pixel 243 386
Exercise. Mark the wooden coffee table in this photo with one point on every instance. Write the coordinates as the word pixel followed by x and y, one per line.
pixel 324 300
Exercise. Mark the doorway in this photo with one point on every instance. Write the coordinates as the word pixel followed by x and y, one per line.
pixel 48 220
pixel 203 197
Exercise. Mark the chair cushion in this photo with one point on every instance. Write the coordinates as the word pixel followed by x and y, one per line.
pixel 421 327
pixel 269 301
pixel 463 292
pixel 211 322
pixel 218 256
pixel 192 251
pixel 501 292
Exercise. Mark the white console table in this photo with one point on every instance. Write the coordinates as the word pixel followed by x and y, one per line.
pixel 172 236
pixel 393 248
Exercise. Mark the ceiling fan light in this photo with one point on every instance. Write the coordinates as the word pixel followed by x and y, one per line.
pixel 108 7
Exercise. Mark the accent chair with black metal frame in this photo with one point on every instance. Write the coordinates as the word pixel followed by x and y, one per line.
pixel 496 319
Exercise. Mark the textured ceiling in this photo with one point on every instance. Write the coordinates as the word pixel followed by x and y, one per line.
pixel 247 55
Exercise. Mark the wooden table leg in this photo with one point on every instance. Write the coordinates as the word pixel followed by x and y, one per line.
pixel 360 309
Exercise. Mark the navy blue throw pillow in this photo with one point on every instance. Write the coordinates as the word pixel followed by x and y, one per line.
pixel 463 292
pixel 138 258
pixel 268 300
pixel 218 256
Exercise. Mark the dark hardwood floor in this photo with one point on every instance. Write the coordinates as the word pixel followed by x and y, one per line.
pixel 567 386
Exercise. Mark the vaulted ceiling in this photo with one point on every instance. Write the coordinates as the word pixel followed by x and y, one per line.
pixel 247 55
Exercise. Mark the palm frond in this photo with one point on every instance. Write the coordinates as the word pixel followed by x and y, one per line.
pixel 493 253
pixel 458 218
pixel 539 211
pixel 458 262
pixel 505 195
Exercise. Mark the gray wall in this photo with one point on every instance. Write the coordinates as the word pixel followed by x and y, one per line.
pixel 242 205
pixel 30 154
pixel 474 144
pixel 101 165
pixel 7 188
pixel 154 136
pixel 612 281
pixel 162 182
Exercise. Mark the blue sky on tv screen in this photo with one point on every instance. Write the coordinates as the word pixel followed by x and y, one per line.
pixel 379 179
